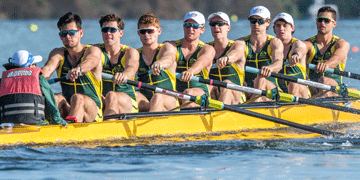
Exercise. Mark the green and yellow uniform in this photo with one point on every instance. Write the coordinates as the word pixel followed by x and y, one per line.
pixel 87 84
pixel 184 64
pixel 119 67
pixel 316 57
pixel 258 60
pixel 231 71
pixel 298 71
pixel 166 79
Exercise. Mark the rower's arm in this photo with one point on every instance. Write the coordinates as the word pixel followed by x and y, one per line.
pixel 206 56
pixel 298 53
pixel 52 113
pixel 167 58
pixel 235 55
pixel 340 54
pixel 91 62
pixel 132 62
pixel 53 62
pixel 277 49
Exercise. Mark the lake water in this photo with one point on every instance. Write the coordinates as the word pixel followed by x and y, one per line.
pixel 319 158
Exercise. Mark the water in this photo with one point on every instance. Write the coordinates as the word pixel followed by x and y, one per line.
pixel 319 158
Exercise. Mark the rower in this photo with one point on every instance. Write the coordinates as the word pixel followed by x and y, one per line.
pixel 25 95
pixel 262 51
pixel 294 53
pixel 229 59
pixel 326 51
pixel 121 61
pixel 194 57
pixel 155 57
pixel 81 95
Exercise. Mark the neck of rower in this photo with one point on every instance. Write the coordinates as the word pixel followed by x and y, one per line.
pixel 220 45
pixel 258 40
pixel 76 52
pixel 190 45
pixel 148 52
pixel 114 49
pixel 324 38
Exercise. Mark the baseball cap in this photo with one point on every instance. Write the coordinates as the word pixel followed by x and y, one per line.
pixel 222 15
pixel 285 16
pixel 260 11
pixel 24 58
pixel 196 16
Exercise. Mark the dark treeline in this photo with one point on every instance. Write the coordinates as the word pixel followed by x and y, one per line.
pixel 165 9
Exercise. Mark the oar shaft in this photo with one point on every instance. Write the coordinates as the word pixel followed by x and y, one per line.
pixel 338 72
pixel 55 80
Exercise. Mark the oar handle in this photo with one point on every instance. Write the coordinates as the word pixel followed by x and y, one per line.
pixel 55 80
pixel 338 72
pixel 137 75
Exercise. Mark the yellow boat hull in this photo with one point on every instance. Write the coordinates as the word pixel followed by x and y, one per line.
pixel 176 126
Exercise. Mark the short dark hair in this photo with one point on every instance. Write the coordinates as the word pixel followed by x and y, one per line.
pixel 68 18
pixel 327 9
pixel 112 17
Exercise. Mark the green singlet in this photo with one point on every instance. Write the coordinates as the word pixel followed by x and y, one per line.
pixel 86 84
pixel 111 68
pixel 231 72
pixel 298 71
pixel 166 79
pixel 316 57
pixel 184 64
pixel 258 60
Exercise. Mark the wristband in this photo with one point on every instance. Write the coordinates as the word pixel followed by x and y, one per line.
pixel 79 67
pixel 227 58
pixel 295 53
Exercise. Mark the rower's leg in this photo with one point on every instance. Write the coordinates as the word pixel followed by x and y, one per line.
pixel 162 102
pixel 214 92
pixel 229 96
pixel 83 108
pixel 328 81
pixel 298 90
pixel 117 102
pixel 193 92
pixel 263 84
pixel 63 105
pixel 143 102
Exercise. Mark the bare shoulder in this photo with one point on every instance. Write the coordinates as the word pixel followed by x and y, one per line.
pixel 131 50
pixel 57 52
pixel 93 50
pixel 208 47
pixel 342 43
pixel 299 43
pixel 167 46
pixel 173 43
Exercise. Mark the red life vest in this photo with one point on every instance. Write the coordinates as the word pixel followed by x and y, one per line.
pixel 21 100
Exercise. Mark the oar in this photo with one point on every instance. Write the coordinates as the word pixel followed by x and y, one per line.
pixel 272 94
pixel 137 75
pixel 55 80
pixel 338 72
pixel 203 100
pixel 341 89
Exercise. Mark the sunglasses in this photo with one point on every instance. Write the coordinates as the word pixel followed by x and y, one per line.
pixel 259 21
pixel 219 23
pixel 65 33
pixel 325 19
pixel 194 25
pixel 108 28
pixel 149 31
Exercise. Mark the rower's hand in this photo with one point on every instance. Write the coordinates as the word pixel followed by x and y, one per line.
pixel 119 78
pixel 321 68
pixel 186 76
pixel 222 62
pixel 74 73
pixel 265 71
pixel 294 59
pixel 156 68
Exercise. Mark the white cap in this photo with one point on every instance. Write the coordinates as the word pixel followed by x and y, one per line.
pixel 222 15
pixel 285 16
pixel 196 16
pixel 260 11
pixel 24 58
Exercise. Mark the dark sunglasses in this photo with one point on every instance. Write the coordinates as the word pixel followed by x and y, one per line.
pixel 65 33
pixel 149 31
pixel 108 28
pixel 259 21
pixel 194 25
pixel 325 19
pixel 219 23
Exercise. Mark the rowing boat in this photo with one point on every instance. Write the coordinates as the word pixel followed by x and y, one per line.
pixel 187 122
